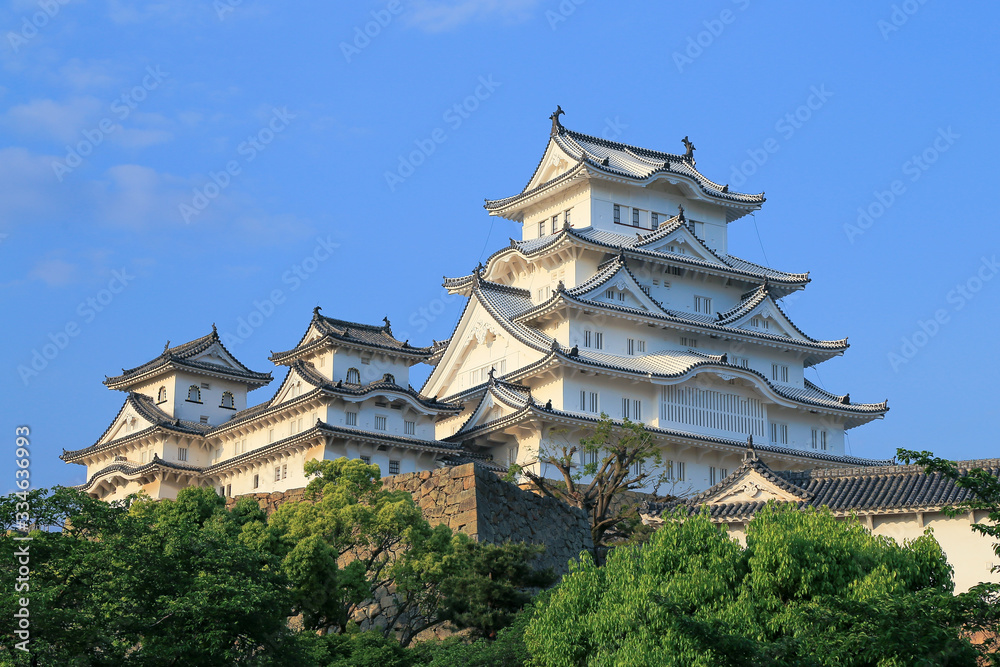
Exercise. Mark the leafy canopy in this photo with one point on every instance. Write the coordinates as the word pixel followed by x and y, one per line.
pixel 808 589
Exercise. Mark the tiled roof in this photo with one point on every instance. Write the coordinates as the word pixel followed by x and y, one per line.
pixel 721 323
pixel 146 408
pixel 781 282
pixel 869 489
pixel 354 334
pixel 674 363
pixel 505 304
pixel 180 355
pixel 618 160
pixel 130 469
pixel 309 373
pixel 529 408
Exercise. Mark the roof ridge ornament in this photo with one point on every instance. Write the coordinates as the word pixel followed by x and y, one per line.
pixel 680 211
pixel 751 453
pixel 214 330
pixel 557 127
pixel 166 346
pixel 316 311
pixel 688 149
pixel 388 327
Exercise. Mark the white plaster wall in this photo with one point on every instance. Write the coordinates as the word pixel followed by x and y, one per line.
pixel 574 198
pixel 371 368
pixel 211 398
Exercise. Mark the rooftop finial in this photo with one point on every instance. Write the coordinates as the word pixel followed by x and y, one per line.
pixel 492 371
pixel 750 453
pixel 680 213
pixel 214 330
pixel 479 268
pixel 556 125
pixel 166 346
pixel 316 311
pixel 688 149
pixel 386 320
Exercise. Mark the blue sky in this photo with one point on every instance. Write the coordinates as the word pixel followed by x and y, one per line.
pixel 164 166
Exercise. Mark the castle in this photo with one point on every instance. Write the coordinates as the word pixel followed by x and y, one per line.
pixel 619 298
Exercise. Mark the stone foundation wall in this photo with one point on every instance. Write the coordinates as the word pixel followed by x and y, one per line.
pixel 473 500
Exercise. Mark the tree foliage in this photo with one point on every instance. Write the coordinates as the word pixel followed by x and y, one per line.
pixel 983 600
pixel 808 589
pixel 619 458
pixel 357 542
pixel 147 583
pixel 188 582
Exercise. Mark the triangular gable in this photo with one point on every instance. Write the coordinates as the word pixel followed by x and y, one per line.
pixel 293 386
pixel 753 483
pixel 619 288
pixel 127 422
pixel 475 328
pixel 679 240
pixel 555 162
pixel 766 317
pixel 492 406
pixel 217 356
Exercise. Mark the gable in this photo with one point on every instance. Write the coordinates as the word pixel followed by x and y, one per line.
pixel 750 486
pixel 681 241
pixel 217 356
pixel 554 163
pixel 479 343
pixel 125 424
pixel 621 289
pixel 767 318
pixel 490 409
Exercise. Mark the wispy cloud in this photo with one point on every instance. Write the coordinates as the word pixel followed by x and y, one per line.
pixel 88 75
pixel 443 15
pixel 62 121
pixel 54 272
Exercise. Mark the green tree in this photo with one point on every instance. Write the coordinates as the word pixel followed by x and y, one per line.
pixel 984 495
pixel 493 586
pixel 620 457
pixel 983 486
pixel 808 589
pixel 148 583
pixel 355 542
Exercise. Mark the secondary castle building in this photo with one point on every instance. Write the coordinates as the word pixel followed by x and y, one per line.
pixel 898 501
pixel 185 420
pixel 622 297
